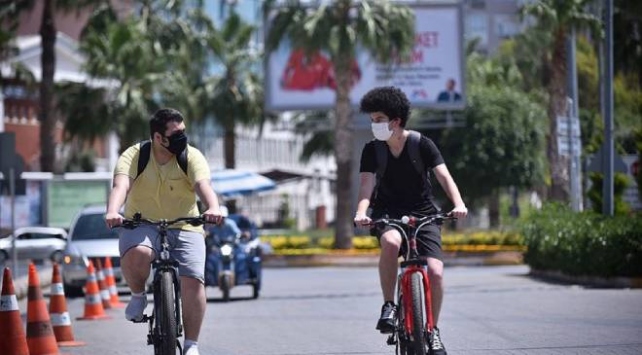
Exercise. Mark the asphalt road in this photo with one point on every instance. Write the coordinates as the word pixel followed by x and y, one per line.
pixel 331 310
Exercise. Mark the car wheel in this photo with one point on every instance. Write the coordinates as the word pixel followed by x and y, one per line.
pixel 57 256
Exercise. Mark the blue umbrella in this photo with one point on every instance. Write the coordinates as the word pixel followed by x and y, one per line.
pixel 232 182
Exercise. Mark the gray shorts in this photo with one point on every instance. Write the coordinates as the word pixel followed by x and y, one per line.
pixel 186 247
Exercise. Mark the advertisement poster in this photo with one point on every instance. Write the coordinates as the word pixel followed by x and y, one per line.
pixel 431 77
pixel 27 207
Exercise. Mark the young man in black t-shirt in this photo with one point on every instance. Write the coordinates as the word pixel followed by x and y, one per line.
pixel 402 191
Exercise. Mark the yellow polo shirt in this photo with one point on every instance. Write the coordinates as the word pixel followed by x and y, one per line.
pixel 163 191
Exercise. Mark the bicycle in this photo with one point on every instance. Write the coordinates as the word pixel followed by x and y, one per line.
pixel 168 328
pixel 412 335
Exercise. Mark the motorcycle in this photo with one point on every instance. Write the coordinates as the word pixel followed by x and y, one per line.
pixel 233 261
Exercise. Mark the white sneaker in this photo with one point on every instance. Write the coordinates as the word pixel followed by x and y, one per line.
pixel 136 308
pixel 192 350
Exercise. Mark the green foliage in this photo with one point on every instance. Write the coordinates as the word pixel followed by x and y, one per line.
pixel 620 182
pixel 503 136
pixel 583 243
pixel 638 177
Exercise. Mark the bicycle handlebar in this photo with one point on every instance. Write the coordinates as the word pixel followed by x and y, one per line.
pixel 138 220
pixel 411 220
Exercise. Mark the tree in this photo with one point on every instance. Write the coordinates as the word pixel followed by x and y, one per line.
pixel 503 136
pixel 236 96
pixel 338 28
pixel 559 18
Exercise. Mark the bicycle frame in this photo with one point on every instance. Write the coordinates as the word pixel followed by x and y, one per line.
pixel 412 264
pixel 163 263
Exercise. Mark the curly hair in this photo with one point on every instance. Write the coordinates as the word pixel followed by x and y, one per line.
pixel 387 99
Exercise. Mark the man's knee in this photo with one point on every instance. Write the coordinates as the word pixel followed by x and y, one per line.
pixel 137 256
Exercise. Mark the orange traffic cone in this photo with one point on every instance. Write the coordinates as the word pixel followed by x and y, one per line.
pixel 60 319
pixel 12 334
pixel 102 285
pixel 40 336
pixel 93 304
pixel 111 284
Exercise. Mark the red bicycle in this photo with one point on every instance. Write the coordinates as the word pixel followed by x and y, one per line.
pixel 414 323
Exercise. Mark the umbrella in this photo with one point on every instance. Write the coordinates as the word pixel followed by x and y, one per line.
pixel 232 182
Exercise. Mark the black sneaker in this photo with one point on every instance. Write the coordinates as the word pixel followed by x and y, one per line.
pixel 436 345
pixel 386 323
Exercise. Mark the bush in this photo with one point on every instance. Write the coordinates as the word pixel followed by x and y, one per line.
pixel 583 244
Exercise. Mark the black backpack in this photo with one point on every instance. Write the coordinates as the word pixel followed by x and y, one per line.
pixel 381 150
pixel 145 151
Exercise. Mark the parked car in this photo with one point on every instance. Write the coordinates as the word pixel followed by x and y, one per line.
pixel 36 243
pixel 89 239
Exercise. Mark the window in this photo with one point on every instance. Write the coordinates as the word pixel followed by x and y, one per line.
pixel 477 27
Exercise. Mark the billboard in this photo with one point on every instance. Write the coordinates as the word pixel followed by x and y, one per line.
pixel 433 77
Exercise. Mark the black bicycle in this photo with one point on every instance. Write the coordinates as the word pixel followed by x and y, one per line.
pixel 168 328
pixel 414 323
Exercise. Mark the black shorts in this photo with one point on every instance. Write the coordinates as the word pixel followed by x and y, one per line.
pixel 428 239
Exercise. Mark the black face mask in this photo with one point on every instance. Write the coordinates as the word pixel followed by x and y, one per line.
pixel 177 142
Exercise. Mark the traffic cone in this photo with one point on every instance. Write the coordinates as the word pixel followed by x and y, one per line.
pixel 12 334
pixel 60 319
pixel 40 336
pixel 111 284
pixel 102 285
pixel 93 303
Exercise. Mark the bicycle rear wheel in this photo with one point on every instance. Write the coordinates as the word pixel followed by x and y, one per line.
pixel 166 323
pixel 418 343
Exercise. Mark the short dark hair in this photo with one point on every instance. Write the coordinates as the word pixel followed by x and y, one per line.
pixel 158 121
pixel 387 99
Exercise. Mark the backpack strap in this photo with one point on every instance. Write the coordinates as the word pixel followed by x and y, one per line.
pixel 145 151
pixel 415 156
pixel 143 156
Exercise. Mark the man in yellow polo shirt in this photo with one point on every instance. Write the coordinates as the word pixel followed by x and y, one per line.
pixel 164 190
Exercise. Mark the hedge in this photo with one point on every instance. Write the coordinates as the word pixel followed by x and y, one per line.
pixel 583 244
pixel 476 240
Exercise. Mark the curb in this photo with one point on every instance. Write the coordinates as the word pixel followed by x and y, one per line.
pixel 589 281
pixel 450 259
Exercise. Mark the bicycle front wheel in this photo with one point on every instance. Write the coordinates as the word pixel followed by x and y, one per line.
pixel 166 323
pixel 418 342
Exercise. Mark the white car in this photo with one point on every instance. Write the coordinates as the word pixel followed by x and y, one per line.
pixel 89 239
pixel 36 243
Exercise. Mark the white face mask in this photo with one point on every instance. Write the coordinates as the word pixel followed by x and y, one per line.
pixel 381 131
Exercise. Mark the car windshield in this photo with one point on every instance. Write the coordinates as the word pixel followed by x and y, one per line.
pixel 92 226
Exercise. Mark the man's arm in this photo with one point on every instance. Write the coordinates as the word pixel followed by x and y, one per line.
pixel 367 183
pixel 117 196
pixel 448 184
pixel 207 195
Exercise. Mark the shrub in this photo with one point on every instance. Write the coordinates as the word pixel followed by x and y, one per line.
pixel 583 243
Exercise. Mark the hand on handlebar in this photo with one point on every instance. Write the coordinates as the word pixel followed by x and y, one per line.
pixel 213 216
pixel 459 212
pixel 361 220
pixel 113 220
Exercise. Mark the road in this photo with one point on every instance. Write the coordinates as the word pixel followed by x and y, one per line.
pixel 312 311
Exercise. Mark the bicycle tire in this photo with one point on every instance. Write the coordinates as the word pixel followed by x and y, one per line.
pixel 418 320
pixel 166 322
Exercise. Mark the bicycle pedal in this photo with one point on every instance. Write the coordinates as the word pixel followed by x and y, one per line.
pixel 145 319
pixel 391 340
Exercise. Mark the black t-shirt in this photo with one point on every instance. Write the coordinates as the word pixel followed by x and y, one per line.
pixel 402 189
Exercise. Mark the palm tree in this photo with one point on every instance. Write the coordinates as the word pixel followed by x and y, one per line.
pixel 559 18
pixel 236 96
pixel 338 28
pixel 48 33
